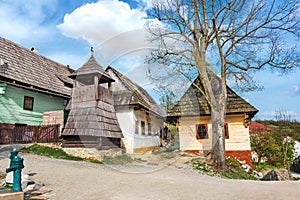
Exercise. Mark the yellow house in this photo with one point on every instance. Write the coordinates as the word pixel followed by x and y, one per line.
pixel 191 115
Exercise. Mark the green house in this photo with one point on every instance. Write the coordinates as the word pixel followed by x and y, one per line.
pixel 30 85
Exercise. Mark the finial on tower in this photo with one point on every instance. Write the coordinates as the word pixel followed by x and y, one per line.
pixel 92 50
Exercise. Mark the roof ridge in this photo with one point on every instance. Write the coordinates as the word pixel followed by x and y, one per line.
pixel 187 106
pixel 36 54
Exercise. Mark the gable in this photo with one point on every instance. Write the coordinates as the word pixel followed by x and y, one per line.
pixel 193 103
pixel 126 92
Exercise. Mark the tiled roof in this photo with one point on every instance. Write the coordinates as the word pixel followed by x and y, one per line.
pixel 193 103
pixel 134 95
pixel 92 67
pixel 29 68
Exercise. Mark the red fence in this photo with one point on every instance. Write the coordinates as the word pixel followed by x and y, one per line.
pixel 11 134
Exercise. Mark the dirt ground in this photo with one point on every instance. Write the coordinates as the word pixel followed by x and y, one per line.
pixel 82 180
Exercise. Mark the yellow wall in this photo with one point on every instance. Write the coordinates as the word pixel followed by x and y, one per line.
pixel 238 134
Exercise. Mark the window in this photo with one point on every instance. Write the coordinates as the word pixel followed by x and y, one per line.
pixel 226 131
pixel 136 127
pixel 202 131
pixel 143 127
pixel 28 103
pixel 149 128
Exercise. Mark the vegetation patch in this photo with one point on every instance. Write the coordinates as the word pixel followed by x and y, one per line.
pixel 233 169
pixel 168 155
pixel 117 160
pixel 53 153
pixel 264 167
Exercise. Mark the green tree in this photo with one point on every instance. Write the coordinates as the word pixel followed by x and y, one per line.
pixel 274 149
pixel 260 144
pixel 237 35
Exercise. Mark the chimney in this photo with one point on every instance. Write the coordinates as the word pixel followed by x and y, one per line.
pixel 33 49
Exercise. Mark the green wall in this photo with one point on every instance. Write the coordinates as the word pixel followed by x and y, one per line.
pixel 11 106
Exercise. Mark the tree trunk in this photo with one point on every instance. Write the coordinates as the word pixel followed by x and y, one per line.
pixel 218 138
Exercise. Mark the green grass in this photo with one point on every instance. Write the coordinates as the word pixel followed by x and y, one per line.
pixel 117 160
pixel 168 155
pixel 157 152
pixel 265 167
pixel 232 171
pixel 53 153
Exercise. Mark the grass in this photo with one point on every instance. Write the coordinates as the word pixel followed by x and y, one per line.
pixel 167 150
pixel 265 167
pixel 117 160
pixel 53 153
pixel 233 170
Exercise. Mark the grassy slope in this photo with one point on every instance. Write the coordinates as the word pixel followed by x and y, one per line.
pixel 291 129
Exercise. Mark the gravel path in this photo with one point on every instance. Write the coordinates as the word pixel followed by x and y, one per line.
pixel 81 180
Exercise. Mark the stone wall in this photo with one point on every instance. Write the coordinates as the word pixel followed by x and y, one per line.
pixel 244 156
pixel 92 153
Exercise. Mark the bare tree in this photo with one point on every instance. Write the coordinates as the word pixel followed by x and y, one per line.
pixel 227 38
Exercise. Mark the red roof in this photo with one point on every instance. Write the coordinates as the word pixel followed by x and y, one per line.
pixel 258 128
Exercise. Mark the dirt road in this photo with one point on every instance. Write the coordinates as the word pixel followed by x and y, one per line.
pixel 81 180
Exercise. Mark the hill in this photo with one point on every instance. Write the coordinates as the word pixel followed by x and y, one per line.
pixel 283 128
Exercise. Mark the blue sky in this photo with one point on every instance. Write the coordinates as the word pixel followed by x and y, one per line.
pixel 64 31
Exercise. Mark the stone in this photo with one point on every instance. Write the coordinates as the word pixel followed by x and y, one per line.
pixel 10 176
pixel 258 174
pixel 12 195
pixel 38 198
pixel 278 175
pixel 40 192
pixel 30 187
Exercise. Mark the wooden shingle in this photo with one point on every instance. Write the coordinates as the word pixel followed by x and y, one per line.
pixel 193 103
pixel 91 106
pixel 134 95
pixel 28 68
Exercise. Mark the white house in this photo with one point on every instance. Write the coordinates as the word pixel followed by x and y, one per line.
pixel 139 117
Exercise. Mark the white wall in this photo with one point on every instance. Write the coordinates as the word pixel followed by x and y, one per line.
pixel 126 117
pixel 238 134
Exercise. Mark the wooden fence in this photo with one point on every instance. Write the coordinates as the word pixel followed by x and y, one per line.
pixel 29 134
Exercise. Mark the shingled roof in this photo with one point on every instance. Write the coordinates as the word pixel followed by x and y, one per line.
pixel 27 68
pixel 193 103
pixel 134 95
pixel 91 68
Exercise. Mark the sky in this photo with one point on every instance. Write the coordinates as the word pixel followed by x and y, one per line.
pixel 65 30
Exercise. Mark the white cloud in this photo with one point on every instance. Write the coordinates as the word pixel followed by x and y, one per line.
pixel 117 33
pixel 97 22
pixel 111 26
pixel 23 19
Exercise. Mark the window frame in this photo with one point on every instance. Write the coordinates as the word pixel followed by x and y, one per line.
pixel 26 101
pixel 143 127
pixel 197 134
pixel 149 128
pixel 226 135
